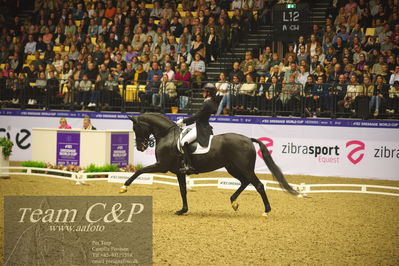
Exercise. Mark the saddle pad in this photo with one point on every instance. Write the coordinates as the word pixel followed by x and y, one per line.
pixel 198 148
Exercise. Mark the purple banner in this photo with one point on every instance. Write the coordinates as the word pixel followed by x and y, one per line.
pixel 68 148
pixel 120 149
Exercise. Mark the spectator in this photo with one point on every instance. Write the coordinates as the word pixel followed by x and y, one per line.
pixel 246 94
pixel 176 27
pixel 140 76
pixel 198 47
pixel 64 124
pixel 197 70
pixel 151 88
pixel 167 93
pixel 83 91
pixel 154 71
pixel 183 78
pixel 87 123
pixel 212 41
pixel 30 46
pixel 168 71
pixel 380 95
pixel 109 92
pixel 393 99
pixel 109 12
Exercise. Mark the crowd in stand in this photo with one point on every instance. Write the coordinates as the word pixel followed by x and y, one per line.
pixel 81 53
pixel 348 65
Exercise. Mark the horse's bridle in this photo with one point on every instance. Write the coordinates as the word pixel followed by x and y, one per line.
pixel 147 141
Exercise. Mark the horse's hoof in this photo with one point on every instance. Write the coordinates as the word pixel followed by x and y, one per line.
pixel 181 212
pixel 302 195
pixel 123 190
pixel 234 205
pixel 264 215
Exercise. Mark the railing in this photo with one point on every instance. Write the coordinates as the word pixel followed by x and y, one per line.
pixel 141 96
pixel 221 183
pixel 329 100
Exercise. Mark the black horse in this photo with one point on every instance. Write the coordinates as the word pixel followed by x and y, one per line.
pixel 233 151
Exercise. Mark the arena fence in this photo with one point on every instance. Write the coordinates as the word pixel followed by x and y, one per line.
pixel 329 100
pixel 221 183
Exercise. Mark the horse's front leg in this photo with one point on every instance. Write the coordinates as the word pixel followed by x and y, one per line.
pixel 154 168
pixel 183 192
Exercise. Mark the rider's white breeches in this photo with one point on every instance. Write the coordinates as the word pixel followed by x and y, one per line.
pixel 190 137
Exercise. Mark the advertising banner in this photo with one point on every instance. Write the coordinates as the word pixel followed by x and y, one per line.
pixel 120 149
pixel 320 147
pixel 68 148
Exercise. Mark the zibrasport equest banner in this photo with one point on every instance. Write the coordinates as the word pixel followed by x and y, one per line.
pixel 320 147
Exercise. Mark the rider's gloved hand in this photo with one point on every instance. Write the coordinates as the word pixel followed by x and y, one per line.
pixel 180 123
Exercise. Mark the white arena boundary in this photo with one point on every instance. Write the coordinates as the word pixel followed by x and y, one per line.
pixel 221 183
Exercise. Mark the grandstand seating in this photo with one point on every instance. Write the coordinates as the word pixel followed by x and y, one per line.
pixel 254 34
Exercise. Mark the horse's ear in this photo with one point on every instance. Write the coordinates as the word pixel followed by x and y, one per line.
pixel 133 118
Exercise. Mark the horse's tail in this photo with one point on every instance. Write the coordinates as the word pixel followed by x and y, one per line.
pixel 274 169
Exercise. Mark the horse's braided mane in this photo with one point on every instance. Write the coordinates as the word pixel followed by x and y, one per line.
pixel 158 115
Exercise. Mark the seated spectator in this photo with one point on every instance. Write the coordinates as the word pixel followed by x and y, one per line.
pixel 140 76
pixel 64 124
pixel 246 94
pixel 236 71
pixel 168 71
pixel 151 89
pixel 30 46
pixel 109 92
pixel 211 44
pixel 380 96
pixel 83 91
pixel 198 47
pixel 41 85
pixel 248 61
pixel 261 65
pixel 87 123
pixel 183 85
pixel 185 54
pixel 393 99
pixel 302 76
pixel 353 91
pixel 53 90
pixel 167 93
pixel 289 97
pixel 197 70
pixel 272 94
pixel 229 100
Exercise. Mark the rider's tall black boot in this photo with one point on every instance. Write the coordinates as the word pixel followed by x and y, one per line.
pixel 187 166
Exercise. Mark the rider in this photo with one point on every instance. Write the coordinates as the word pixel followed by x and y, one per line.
pixel 202 129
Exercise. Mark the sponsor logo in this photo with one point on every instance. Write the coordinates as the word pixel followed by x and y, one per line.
pixel 21 139
pixel 386 152
pixel 357 147
pixel 268 143
pixel 324 154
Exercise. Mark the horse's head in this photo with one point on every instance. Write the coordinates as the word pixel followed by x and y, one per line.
pixel 142 132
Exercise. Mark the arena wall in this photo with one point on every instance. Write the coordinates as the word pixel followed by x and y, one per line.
pixel 320 147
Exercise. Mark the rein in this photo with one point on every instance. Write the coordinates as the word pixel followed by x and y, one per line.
pixel 164 132
pixel 150 140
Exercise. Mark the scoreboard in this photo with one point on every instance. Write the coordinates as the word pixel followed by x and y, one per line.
pixel 290 21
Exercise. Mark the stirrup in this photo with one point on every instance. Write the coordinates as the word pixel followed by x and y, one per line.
pixel 188 169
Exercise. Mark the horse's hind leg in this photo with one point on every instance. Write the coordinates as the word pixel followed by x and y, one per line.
pixel 254 180
pixel 244 183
